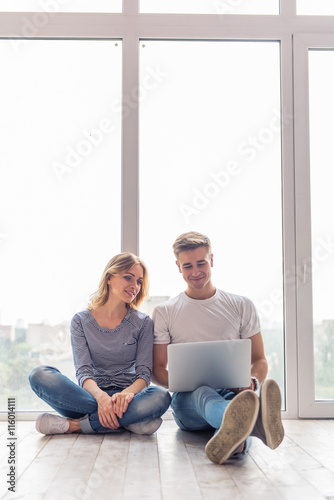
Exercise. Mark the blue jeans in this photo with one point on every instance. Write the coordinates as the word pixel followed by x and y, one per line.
pixel 202 409
pixel 71 401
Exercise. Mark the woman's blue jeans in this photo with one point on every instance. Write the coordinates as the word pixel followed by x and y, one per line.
pixel 71 401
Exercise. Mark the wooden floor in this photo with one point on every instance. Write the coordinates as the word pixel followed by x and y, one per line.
pixel 168 465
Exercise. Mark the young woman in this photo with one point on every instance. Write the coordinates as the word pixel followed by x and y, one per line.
pixel 112 346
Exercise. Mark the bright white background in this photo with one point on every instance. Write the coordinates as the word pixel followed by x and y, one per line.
pixel 211 6
pixel 210 161
pixel 59 226
pixel 321 84
pixel 61 5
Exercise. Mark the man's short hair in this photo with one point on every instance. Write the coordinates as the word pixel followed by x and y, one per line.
pixel 190 241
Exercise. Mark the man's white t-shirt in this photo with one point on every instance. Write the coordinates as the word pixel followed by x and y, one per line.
pixel 223 316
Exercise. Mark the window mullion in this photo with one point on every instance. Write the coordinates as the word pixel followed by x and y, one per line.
pixel 130 145
pixel 289 249
pixel 130 7
pixel 288 8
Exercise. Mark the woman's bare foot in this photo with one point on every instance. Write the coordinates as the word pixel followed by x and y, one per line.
pixel 74 426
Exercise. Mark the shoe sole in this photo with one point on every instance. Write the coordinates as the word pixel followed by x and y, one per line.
pixel 271 414
pixel 238 421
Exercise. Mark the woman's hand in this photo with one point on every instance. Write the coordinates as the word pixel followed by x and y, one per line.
pixel 121 401
pixel 106 411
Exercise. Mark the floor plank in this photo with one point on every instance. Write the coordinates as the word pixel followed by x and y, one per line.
pixel 108 475
pixel 36 479
pixel 292 469
pixel 83 453
pixel 169 464
pixel 176 466
pixel 142 477
pixel 212 479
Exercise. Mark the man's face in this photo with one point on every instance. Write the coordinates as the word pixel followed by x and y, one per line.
pixel 195 266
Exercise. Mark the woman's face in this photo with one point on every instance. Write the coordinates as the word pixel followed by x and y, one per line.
pixel 126 285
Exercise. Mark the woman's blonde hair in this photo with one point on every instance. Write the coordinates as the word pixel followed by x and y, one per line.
pixel 119 264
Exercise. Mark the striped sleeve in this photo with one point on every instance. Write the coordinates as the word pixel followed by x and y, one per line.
pixel 81 354
pixel 144 356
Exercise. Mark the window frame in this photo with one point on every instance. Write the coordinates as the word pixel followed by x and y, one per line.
pixel 308 406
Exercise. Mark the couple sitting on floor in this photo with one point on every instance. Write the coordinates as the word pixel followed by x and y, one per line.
pixel 115 345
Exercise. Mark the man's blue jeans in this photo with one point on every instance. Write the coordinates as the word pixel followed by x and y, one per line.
pixel 202 409
pixel 71 401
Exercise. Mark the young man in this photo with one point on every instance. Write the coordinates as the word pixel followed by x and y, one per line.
pixel 204 313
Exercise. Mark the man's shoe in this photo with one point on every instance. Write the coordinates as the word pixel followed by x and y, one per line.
pixel 269 427
pixel 238 421
pixel 148 426
pixel 47 423
pixel 242 451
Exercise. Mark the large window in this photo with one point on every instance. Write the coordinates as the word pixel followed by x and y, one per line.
pixel 55 6
pixel 60 196
pixel 314 78
pixel 210 160
pixel 321 84
pixel 211 6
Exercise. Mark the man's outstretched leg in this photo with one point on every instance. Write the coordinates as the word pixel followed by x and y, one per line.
pixel 269 427
pixel 238 422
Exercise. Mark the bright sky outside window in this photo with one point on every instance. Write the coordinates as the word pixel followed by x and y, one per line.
pixel 210 161
pixel 210 6
pixel 315 8
pixel 321 83
pixel 55 6
pixel 60 206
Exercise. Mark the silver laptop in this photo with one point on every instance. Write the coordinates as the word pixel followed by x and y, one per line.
pixel 218 364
